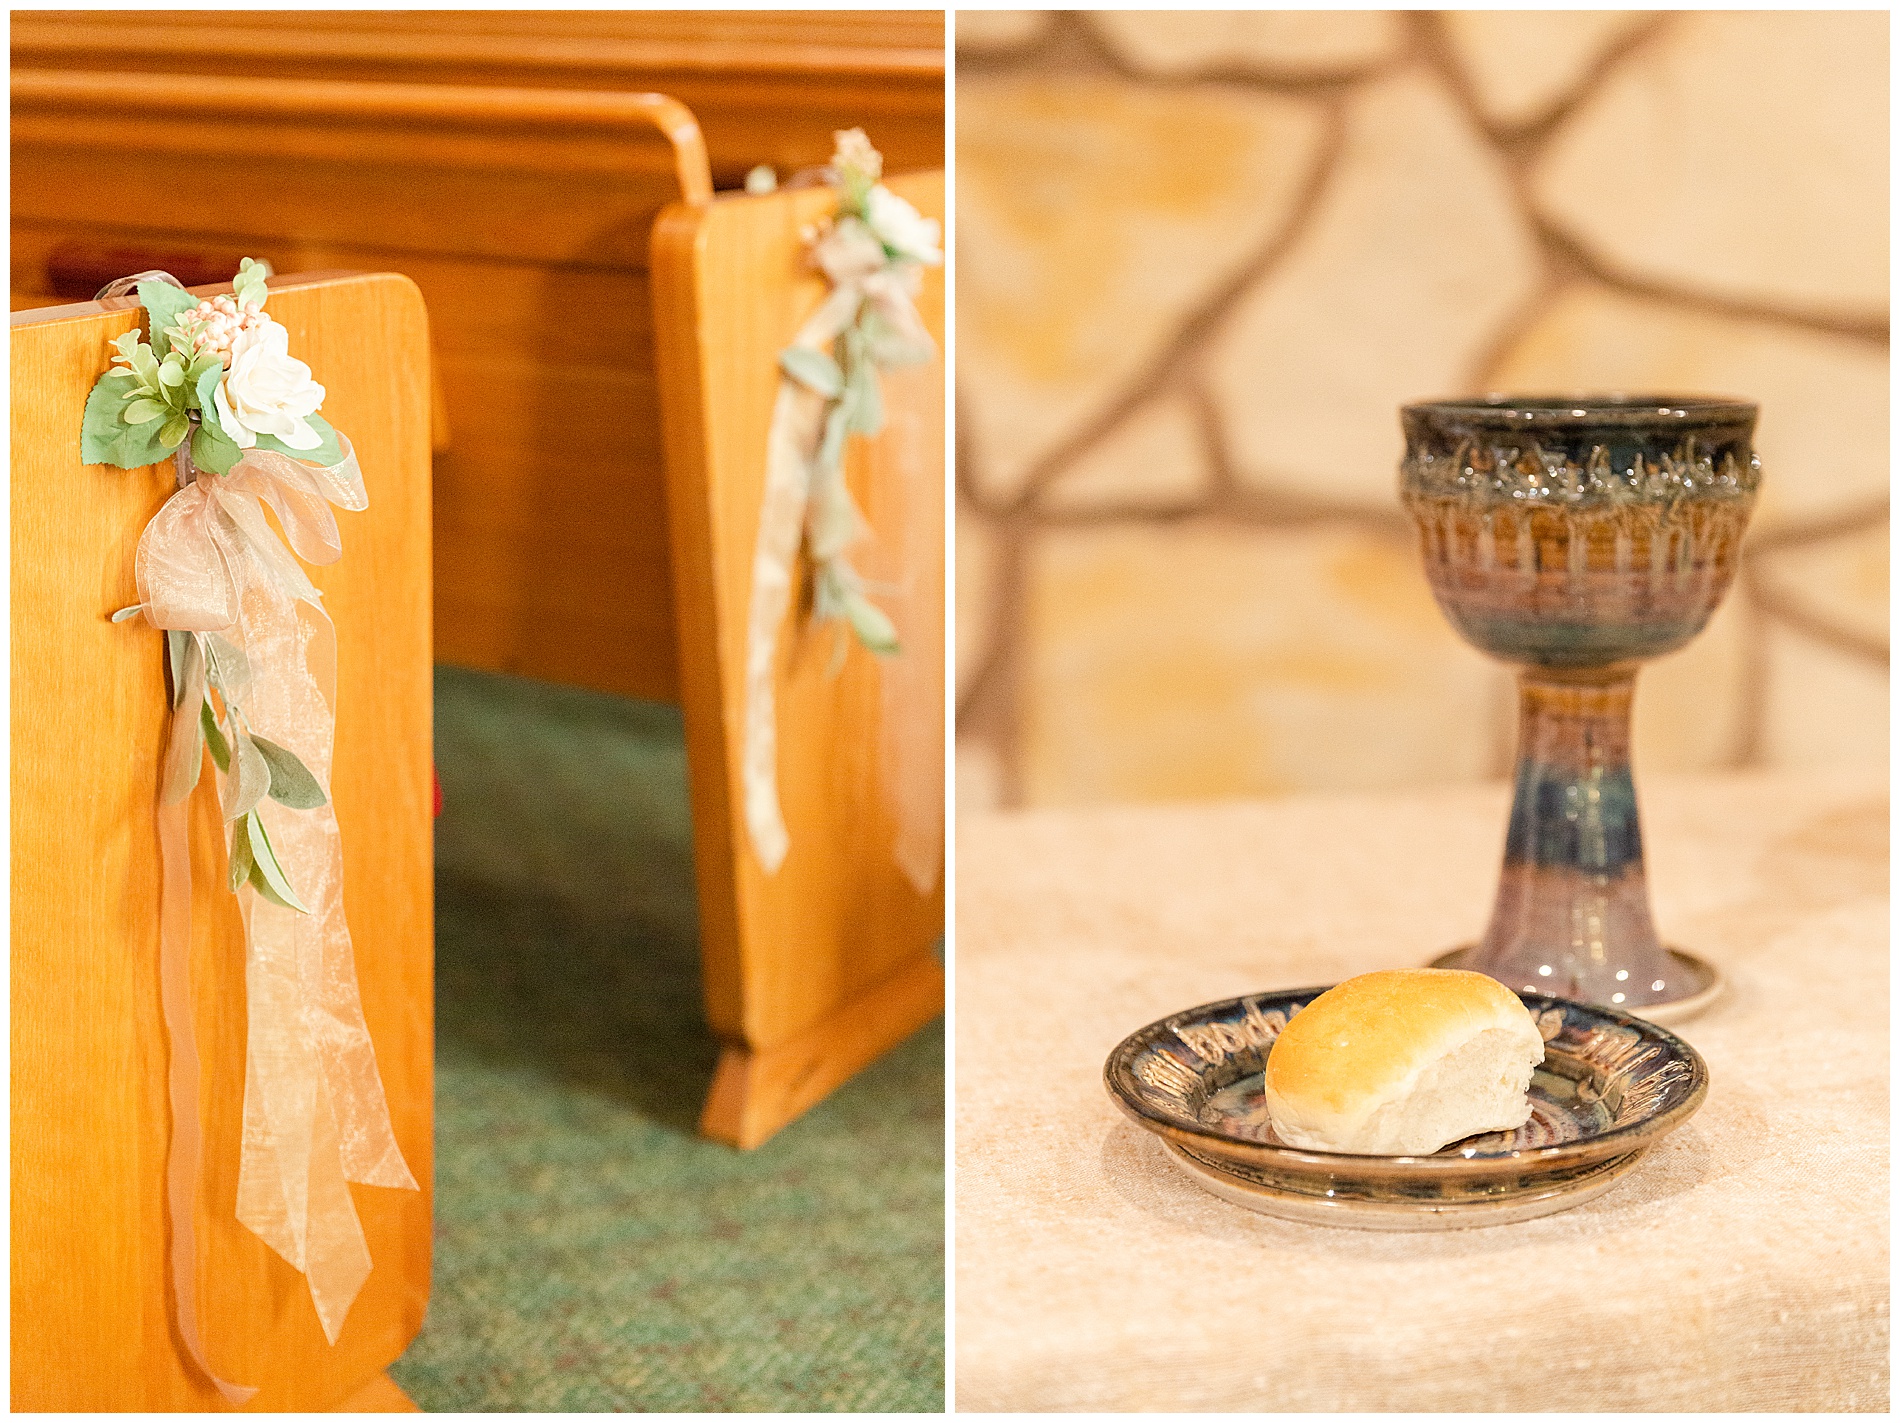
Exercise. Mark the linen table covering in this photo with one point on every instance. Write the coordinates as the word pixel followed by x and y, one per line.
pixel 1743 1265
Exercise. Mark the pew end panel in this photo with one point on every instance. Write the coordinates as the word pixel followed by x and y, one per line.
pixel 815 970
pixel 91 1321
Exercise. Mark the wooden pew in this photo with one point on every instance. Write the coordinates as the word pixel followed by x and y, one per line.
pixel 766 86
pixel 815 970
pixel 525 217
pixel 91 1298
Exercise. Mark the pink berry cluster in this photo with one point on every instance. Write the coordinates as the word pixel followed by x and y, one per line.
pixel 212 325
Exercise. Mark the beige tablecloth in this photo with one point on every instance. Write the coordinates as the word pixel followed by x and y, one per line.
pixel 1741 1266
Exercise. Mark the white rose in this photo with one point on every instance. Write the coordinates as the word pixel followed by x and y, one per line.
pixel 267 391
pixel 900 227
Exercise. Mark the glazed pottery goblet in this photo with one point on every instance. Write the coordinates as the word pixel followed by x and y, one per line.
pixel 1574 538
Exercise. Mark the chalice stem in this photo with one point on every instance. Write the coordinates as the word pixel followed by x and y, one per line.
pixel 1572 915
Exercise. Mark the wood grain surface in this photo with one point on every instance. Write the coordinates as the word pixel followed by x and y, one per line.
pixel 523 217
pixel 767 86
pixel 380 1395
pixel 91 1322
pixel 829 961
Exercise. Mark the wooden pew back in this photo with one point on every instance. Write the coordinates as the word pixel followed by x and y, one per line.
pixel 91 1298
pixel 767 86
pixel 523 216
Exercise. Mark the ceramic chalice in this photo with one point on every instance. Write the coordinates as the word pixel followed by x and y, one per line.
pixel 1575 537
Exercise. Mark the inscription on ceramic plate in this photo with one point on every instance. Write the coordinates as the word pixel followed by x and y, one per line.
pixel 1214 1042
pixel 1621 1052
pixel 1165 1075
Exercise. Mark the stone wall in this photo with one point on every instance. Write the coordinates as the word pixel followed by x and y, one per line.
pixel 1202 258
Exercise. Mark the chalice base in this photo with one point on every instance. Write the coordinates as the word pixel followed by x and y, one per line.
pixel 1702 983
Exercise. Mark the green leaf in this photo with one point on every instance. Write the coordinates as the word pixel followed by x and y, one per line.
pixel 249 285
pixel 827 593
pixel 190 753
pixel 267 874
pixel 249 781
pixel 204 385
pixel 863 400
pixel 119 386
pixel 171 372
pixel 868 621
pixel 175 429
pixel 814 370
pixel 145 366
pixel 833 522
pixel 329 452
pixel 175 641
pixel 104 435
pixel 830 455
pixel 214 736
pixel 131 612
pixel 890 347
pixel 185 753
pixel 164 304
pixel 230 666
pixel 211 450
pixel 291 782
pixel 143 412
pixel 241 862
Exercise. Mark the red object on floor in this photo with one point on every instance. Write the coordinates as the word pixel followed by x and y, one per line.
pixel 438 787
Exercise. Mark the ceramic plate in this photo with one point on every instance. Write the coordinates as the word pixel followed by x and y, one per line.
pixel 1609 1088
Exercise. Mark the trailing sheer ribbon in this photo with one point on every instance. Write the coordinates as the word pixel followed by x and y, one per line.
pixel 792 504
pixel 912 683
pixel 315 1116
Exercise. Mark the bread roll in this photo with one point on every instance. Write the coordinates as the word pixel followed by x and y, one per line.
pixel 1402 1062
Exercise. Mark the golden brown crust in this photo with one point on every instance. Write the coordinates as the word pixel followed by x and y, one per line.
pixel 1360 1039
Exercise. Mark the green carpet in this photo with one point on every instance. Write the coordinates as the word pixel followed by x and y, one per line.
pixel 591 1253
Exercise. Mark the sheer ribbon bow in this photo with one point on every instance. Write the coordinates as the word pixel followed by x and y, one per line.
pixel 315 1116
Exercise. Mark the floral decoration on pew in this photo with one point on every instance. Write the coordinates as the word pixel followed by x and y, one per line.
pixel 873 251
pixel 218 373
pixel 252 662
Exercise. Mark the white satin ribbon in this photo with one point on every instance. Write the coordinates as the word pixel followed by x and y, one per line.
pixel 912 771
pixel 797 418
pixel 185 1151
pixel 315 1116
